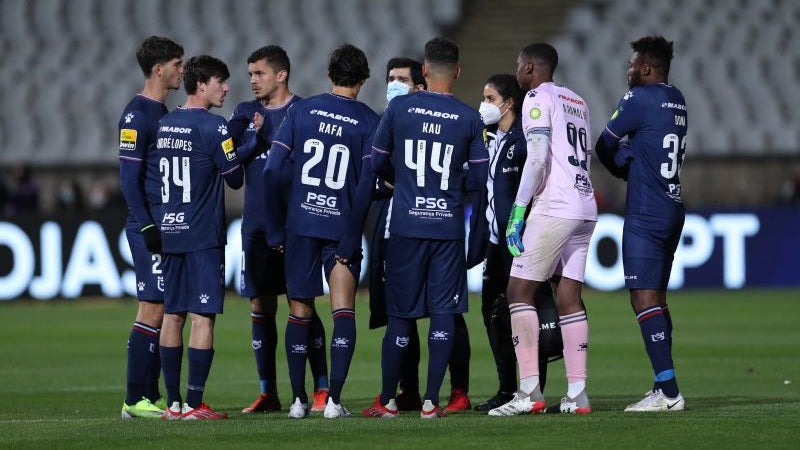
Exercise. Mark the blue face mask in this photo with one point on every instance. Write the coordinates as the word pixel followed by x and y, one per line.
pixel 396 88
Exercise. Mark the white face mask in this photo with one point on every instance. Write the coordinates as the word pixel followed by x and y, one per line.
pixel 396 88
pixel 490 113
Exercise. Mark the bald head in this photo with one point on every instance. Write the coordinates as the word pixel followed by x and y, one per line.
pixel 536 64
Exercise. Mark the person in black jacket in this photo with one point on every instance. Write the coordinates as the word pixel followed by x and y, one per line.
pixel 500 110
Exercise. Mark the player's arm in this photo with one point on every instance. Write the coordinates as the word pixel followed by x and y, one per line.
pixel 349 248
pixel 132 166
pixel 537 128
pixel 478 163
pixel 276 163
pixel 626 119
pixel 382 147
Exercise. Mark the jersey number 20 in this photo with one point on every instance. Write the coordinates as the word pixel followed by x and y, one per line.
pixel 336 168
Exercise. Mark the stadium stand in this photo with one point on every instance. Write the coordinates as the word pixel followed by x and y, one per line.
pixel 68 65
pixel 72 68
pixel 734 62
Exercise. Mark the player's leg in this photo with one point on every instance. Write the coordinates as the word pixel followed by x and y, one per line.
pixel 496 319
pixel 171 338
pixel 144 361
pixel 205 301
pixel 263 279
pixel 445 297
pixel 459 367
pixel 409 397
pixel 318 361
pixel 573 319
pixel 647 278
pixel 543 241
pixel 303 262
pixel 342 280
pixel 406 262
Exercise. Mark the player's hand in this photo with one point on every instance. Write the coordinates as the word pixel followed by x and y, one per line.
pixel 152 238
pixel 258 121
pixel 516 223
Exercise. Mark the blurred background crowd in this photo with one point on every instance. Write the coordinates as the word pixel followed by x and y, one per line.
pixel 69 68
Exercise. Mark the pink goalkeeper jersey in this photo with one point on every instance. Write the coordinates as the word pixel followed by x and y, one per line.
pixel 566 190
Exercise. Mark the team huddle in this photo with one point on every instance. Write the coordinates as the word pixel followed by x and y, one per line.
pixel 312 169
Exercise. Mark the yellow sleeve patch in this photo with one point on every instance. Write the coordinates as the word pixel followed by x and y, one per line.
pixel 127 139
pixel 227 145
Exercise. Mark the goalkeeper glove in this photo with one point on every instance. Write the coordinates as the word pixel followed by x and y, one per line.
pixel 516 223
pixel 152 238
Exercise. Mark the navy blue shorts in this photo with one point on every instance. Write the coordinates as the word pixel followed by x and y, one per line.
pixel 305 258
pixel 148 267
pixel 648 252
pixel 262 267
pixel 195 281
pixel 425 276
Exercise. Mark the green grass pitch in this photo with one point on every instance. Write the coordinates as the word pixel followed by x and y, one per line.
pixel 737 355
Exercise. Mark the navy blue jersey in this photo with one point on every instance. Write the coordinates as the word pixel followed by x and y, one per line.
pixel 138 126
pixel 654 119
pixel 195 151
pixel 244 134
pixel 427 138
pixel 327 137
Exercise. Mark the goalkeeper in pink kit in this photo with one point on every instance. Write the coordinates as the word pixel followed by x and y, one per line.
pixel 553 242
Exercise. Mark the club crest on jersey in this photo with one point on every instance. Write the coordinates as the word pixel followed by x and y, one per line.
pixel 223 130
pixel 127 139
pixel 531 94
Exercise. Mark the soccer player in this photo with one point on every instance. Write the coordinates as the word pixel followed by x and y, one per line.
pixel 161 62
pixel 422 143
pixel 328 137
pixel 652 114
pixel 252 126
pixel 195 153
pixel 555 182
pixel 403 76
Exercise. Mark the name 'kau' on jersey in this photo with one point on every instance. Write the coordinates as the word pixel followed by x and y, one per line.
pixel 328 137
pixel 194 152
pixel 429 137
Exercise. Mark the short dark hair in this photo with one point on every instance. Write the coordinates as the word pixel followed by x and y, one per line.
pixel 656 51
pixel 414 66
pixel 157 50
pixel 275 56
pixel 441 52
pixel 507 86
pixel 201 69
pixel 543 52
pixel 348 66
